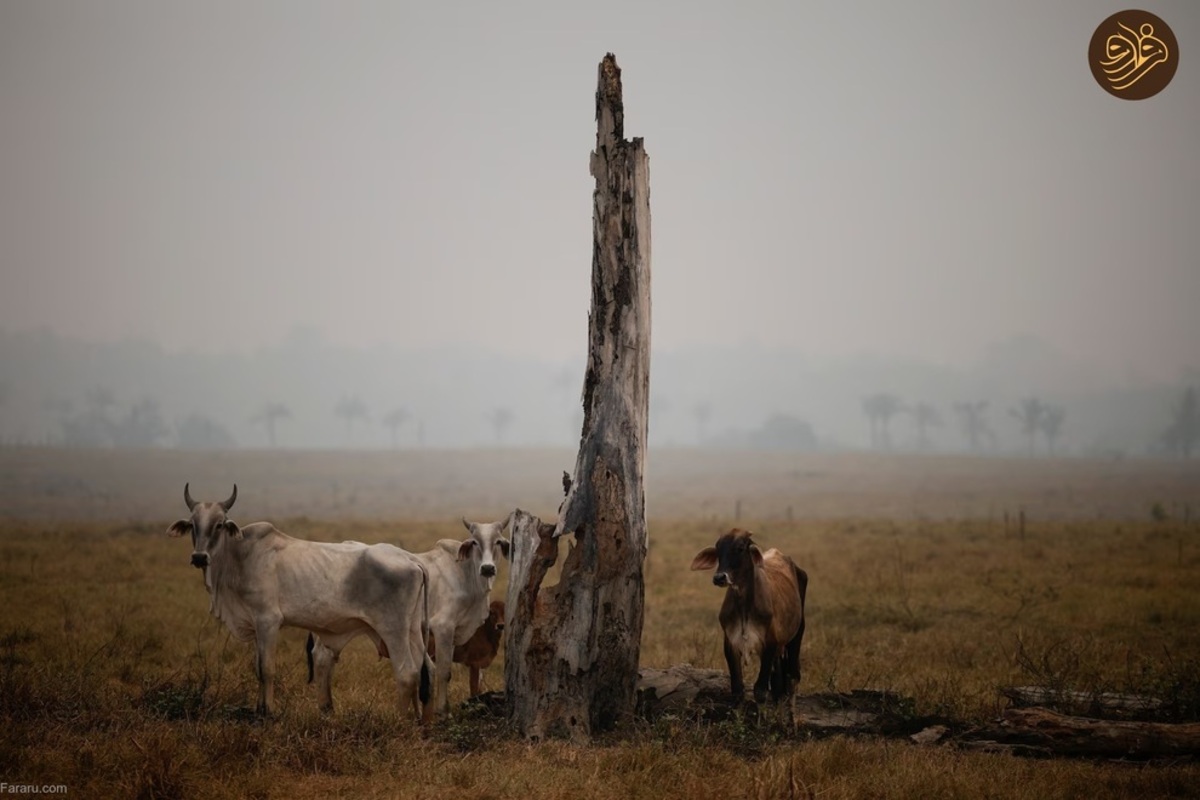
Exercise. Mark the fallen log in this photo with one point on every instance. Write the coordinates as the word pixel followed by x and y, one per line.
pixel 702 695
pixel 1090 704
pixel 1039 731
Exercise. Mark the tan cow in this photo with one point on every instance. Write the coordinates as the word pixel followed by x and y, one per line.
pixel 259 579
pixel 763 612
pixel 461 574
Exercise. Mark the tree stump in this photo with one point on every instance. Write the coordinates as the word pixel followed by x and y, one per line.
pixel 571 664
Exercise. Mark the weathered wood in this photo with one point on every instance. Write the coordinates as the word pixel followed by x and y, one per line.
pixel 527 650
pixel 702 695
pixel 1038 731
pixel 1087 703
pixel 578 646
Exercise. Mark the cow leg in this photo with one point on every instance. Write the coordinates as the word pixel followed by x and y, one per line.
pixel 325 656
pixel 792 660
pixel 266 634
pixel 475 689
pixel 406 657
pixel 734 661
pixel 770 654
pixel 401 642
pixel 443 641
pixel 778 675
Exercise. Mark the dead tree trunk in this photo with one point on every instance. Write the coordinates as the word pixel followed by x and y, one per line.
pixel 571 663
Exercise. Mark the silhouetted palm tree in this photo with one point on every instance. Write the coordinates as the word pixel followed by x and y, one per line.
pixel 267 416
pixel 350 409
pixel 1051 425
pixel 1029 414
pixel 1184 432
pixel 880 408
pixel 974 424
pixel 393 420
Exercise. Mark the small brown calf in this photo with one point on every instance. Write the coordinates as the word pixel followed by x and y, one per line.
pixel 478 652
pixel 763 613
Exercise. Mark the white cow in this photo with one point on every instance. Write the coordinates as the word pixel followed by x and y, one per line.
pixel 461 575
pixel 260 579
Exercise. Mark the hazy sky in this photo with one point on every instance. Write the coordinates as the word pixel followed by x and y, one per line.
pixel 899 178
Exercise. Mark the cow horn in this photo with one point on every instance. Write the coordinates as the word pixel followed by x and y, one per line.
pixel 187 498
pixel 228 504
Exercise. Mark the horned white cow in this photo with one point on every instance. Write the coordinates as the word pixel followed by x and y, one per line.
pixel 260 579
pixel 461 574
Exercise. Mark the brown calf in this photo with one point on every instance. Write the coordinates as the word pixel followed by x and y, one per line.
pixel 763 612
pixel 478 652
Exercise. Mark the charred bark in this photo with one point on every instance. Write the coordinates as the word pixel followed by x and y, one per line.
pixel 1040 732
pixel 574 650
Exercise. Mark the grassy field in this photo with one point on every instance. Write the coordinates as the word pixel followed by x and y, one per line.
pixel 115 682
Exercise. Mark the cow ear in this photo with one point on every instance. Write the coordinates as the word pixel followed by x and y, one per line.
pixel 464 549
pixel 756 555
pixel 505 546
pixel 180 527
pixel 233 530
pixel 705 559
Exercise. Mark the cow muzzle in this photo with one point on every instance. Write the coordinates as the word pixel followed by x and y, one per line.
pixel 488 570
pixel 200 560
pixel 720 579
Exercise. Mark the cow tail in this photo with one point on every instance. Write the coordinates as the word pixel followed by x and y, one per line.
pixel 425 691
pixel 308 655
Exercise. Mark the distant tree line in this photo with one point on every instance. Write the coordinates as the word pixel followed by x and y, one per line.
pixel 51 406
pixel 1036 419
pixel 1183 434
pixel 102 422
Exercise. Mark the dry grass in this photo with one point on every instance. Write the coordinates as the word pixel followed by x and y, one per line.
pixel 116 682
